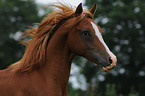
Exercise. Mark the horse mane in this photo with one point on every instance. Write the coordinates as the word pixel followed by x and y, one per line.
pixel 35 51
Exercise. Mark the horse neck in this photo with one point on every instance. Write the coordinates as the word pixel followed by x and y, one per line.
pixel 58 62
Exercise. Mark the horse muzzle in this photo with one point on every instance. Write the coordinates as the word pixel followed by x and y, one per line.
pixel 112 60
pixel 106 61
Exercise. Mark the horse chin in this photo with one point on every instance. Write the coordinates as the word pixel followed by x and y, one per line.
pixel 108 68
pixel 105 68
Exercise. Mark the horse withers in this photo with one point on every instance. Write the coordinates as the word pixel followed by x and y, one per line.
pixel 45 67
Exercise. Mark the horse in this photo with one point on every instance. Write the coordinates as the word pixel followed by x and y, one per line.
pixel 45 66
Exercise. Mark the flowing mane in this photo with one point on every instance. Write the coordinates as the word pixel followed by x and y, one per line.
pixel 35 52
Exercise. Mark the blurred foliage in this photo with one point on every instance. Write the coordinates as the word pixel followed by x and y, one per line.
pixel 123 24
pixel 15 16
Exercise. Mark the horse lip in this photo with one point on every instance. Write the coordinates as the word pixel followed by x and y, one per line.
pixel 105 67
pixel 108 68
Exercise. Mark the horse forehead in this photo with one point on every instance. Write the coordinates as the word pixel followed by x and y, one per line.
pixel 85 23
pixel 90 24
pixel 98 33
pixel 97 29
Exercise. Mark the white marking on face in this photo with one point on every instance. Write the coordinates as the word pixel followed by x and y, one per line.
pixel 98 34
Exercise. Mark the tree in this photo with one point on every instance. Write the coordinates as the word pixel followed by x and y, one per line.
pixel 122 22
pixel 15 16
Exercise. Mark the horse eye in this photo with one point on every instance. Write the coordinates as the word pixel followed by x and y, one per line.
pixel 86 33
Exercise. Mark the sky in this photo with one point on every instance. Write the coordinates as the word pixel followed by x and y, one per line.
pixel 72 2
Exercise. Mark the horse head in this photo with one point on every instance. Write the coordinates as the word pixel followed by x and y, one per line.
pixel 86 40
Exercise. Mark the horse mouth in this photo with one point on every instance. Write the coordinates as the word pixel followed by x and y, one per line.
pixel 103 64
pixel 108 68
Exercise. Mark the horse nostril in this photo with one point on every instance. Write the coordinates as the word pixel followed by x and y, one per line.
pixel 110 60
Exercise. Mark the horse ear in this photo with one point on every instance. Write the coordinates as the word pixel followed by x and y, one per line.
pixel 79 10
pixel 93 9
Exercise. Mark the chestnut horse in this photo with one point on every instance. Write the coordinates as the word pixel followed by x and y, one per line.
pixel 45 67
